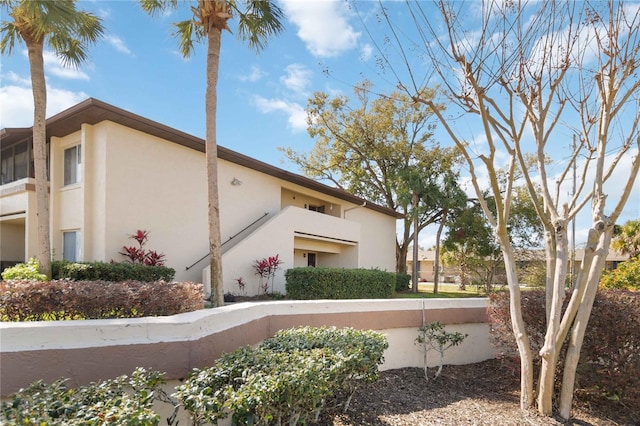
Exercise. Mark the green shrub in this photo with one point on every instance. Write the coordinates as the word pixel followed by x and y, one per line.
pixel 403 282
pixel 625 276
pixel 61 300
pixel 102 271
pixel 337 283
pixel 121 401
pixel 290 378
pixel 24 271
pixel 609 365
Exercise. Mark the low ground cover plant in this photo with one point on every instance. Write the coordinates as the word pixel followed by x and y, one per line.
pixel 609 364
pixel 62 299
pixel 291 378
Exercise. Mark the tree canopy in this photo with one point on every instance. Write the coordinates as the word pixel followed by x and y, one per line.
pixel 381 150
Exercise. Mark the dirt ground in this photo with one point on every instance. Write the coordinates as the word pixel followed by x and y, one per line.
pixel 485 393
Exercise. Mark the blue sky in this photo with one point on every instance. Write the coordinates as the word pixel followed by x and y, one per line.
pixel 261 97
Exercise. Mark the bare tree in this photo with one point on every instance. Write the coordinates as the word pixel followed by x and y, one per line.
pixel 527 72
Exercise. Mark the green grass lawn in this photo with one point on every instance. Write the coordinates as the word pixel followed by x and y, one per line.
pixel 446 291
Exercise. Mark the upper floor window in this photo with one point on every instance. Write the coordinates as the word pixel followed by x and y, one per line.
pixel 72 165
pixel 16 162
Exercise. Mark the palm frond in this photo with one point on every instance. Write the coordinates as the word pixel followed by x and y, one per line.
pixel 187 32
pixel 158 7
pixel 9 37
pixel 261 20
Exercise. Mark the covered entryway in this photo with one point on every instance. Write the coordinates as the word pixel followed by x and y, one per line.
pixel 316 250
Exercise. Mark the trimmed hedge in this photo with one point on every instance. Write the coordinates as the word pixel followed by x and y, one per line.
pixel 291 378
pixel 337 283
pixel 102 271
pixel 609 366
pixel 60 300
pixel 403 282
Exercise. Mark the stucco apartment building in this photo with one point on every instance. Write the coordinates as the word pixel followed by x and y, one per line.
pixel 113 172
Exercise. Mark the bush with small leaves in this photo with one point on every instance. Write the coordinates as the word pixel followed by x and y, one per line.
pixel 126 400
pixel 62 300
pixel 625 276
pixel 24 271
pixel 290 378
pixel 609 365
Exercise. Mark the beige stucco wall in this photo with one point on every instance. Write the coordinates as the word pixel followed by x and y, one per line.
pixel 17 215
pixel 131 181
pixel 12 240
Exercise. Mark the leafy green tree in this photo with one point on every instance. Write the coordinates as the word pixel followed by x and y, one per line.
pixel 258 20
pixel 68 32
pixel 626 238
pixel 381 150
pixel 471 245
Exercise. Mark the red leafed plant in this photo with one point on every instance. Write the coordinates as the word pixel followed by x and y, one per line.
pixel 241 285
pixel 140 254
pixel 266 269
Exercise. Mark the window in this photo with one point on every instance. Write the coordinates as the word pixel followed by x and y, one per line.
pixel 72 165
pixel 15 162
pixel 311 259
pixel 71 246
pixel 319 209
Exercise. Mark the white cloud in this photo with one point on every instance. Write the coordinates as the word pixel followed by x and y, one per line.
pixel 366 52
pixel 297 116
pixel 118 44
pixel 16 102
pixel 255 75
pixel 322 26
pixel 297 79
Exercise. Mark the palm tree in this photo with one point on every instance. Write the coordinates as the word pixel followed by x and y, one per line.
pixel 68 32
pixel 257 21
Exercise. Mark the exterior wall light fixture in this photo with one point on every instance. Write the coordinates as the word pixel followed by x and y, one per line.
pixel 236 182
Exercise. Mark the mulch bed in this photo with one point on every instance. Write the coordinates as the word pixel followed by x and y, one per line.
pixel 484 393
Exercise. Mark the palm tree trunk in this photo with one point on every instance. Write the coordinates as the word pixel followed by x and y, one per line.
pixel 211 147
pixel 436 262
pixel 414 286
pixel 39 89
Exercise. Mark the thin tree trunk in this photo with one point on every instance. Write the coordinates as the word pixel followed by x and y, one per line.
pixel 39 89
pixel 548 352
pixel 401 257
pixel 580 326
pixel 414 286
pixel 213 62
pixel 515 310
pixel 436 262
